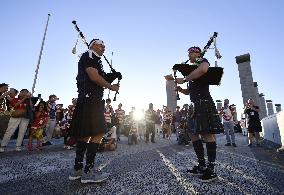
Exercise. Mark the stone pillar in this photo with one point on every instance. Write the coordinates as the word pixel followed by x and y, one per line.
pixel 218 104
pixel 257 102
pixel 262 106
pixel 278 107
pixel 246 80
pixel 269 107
pixel 171 93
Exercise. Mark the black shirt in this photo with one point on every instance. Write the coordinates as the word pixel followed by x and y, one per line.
pixel 197 89
pixel 86 87
pixel 253 116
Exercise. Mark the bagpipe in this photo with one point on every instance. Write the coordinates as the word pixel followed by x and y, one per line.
pixel 212 76
pixel 109 77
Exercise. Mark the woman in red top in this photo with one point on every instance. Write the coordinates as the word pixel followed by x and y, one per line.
pixel 19 118
pixel 39 122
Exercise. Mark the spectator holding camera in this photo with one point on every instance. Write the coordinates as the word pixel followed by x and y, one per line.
pixel 18 118
pixel 254 125
pixel 51 124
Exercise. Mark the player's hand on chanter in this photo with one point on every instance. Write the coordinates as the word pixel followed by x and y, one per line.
pixel 114 87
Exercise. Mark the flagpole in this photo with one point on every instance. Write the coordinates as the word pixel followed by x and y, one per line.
pixel 40 54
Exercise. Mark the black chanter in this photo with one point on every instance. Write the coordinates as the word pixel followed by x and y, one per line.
pixel 175 76
pixel 110 77
pixel 213 75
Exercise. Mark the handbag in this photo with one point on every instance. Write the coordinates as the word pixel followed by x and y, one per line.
pixel 19 113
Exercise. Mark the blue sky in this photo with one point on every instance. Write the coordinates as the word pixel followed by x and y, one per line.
pixel 147 38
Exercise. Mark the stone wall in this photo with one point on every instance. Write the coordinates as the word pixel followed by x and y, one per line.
pixel 273 128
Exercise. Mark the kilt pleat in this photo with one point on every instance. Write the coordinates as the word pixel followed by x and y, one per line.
pixel 205 118
pixel 88 118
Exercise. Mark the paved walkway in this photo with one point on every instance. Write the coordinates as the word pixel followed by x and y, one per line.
pixel 144 169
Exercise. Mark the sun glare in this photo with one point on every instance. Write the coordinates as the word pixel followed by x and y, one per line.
pixel 138 114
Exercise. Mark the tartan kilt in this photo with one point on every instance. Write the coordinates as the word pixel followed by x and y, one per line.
pixel 88 118
pixel 205 118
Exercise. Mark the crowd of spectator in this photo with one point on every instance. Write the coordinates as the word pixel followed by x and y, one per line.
pixel 23 115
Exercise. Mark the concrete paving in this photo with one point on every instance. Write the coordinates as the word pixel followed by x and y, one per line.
pixel 158 168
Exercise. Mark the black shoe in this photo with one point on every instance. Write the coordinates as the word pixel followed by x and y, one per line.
pixel 228 144
pixel 153 141
pixel 208 176
pixel 196 170
pixel 258 145
pixel 234 145
pixel 48 143
pixel 249 145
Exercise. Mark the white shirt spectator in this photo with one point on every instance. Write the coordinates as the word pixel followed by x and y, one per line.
pixel 227 116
